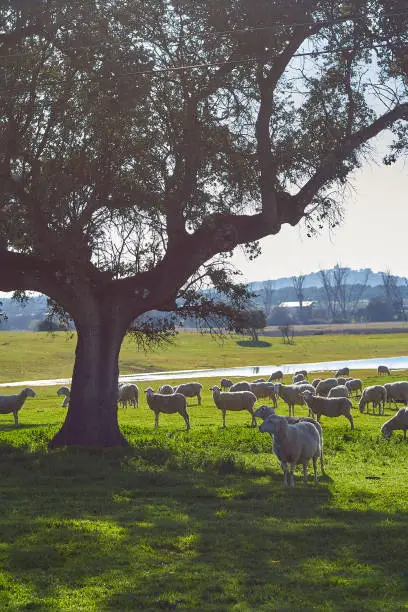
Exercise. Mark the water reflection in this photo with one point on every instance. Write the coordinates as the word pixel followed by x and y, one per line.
pixel 393 363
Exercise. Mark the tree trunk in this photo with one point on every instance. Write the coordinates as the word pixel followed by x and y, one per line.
pixel 92 418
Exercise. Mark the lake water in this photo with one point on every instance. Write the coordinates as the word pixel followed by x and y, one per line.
pixel 394 363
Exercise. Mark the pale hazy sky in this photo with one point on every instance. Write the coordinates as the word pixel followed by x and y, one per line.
pixel 374 233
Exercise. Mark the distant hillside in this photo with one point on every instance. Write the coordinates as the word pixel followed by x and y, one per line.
pixel 313 279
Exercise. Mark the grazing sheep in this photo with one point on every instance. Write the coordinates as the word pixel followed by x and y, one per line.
pixel 375 395
pixel 325 385
pixel 67 393
pixel 329 406
pixel 240 386
pixel 166 390
pixel 128 394
pixel 168 404
pixel 14 403
pixel 264 412
pixel 264 389
pixel 315 382
pixel 298 378
pixel 382 369
pixel 293 444
pixel 192 389
pixel 234 400
pixel 339 391
pixel 397 392
pixel 225 383
pixel 304 372
pixel 278 375
pixel 398 421
pixel 356 385
pixel 343 372
pixel 291 395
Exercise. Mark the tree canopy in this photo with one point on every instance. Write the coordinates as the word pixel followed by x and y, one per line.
pixel 140 146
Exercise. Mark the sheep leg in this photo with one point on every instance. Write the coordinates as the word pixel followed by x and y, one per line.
pixel 304 466
pixel 15 414
pixel 292 477
pixel 314 459
pixel 275 403
pixel 284 467
pixel 156 419
pixel 199 399
pixel 223 418
pixel 350 418
pixel 253 418
pixel 185 416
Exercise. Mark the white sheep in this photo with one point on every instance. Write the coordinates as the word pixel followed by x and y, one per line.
pixel 329 406
pixel 341 380
pixel 304 372
pixel 291 395
pixel 278 375
pixel 191 389
pixel 14 403
pixel 168 404
pixel 398 421
pixel 297 378
pixel 343 372
pixel 166 390
pixel 356 385
pixel 67 394
pixel 397 392
pixel 128 394
pixel 383 369
pixel 264 412
pixel 264 389
pixel 240 386
pixel 234 401
pixel 376 395
pixel 325 385
pixel 293 444
pixel 338 391
pixel 225 383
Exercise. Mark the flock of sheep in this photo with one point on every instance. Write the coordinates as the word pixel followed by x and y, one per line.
pixel 296 440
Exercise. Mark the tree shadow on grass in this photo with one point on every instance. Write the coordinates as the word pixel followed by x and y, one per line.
pixel 254 343
pixel 122 529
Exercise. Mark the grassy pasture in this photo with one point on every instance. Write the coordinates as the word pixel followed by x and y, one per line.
pixel 200 520
pixel 40 355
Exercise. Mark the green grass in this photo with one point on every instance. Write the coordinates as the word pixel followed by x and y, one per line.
pixel 41 355
pixel 200 520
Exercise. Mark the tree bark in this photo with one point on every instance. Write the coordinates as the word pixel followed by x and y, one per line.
pixel 92 417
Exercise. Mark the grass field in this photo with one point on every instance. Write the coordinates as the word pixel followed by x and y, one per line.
pixel 199 520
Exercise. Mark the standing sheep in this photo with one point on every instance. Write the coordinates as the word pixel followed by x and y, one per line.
pixel 383 369
pixel 304 372
pixel 67 394
pixel 293 444
pixel 325 385
pixel 291 395
pixel 329 406
pixel 375 395
pixel 168 404
pixel 264 412
pixel 278 375
pixel 14 403
pixel 297 378
pixel 128 394
pixel 356 385
pixel 264 389
pixel 339 391
pixel 225 383
pixel 343 372
pixel 398 421
pixel 234 400
pixel 192 389
pixel 397 392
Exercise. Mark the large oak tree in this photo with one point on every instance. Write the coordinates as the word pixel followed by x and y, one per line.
pixel 141 140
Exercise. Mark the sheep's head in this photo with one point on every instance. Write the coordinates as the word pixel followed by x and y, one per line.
pixel 63 391
pixel 386 430
pixel 149 391
pixel 361 404
pixel 263 412
pixel 274 425
pixel 307 395
pixel 28 392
